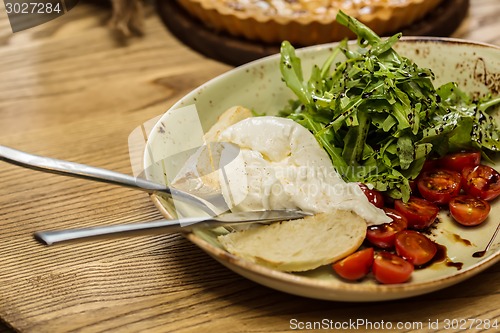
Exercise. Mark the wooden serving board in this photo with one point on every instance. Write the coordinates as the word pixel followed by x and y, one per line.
pixel 237 51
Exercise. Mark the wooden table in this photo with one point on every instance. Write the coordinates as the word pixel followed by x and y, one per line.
pixel 71 91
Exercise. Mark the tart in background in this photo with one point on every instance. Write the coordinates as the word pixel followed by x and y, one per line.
pixel 304 22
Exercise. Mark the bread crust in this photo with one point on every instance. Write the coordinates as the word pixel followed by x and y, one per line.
pixel 299 245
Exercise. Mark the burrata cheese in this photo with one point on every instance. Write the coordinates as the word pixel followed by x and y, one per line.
pixel 281 165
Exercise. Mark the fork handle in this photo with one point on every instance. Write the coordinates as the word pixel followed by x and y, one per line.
pixel 72 169
pixel 52 165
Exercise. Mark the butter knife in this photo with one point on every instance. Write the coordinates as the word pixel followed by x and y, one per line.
pixel 50 237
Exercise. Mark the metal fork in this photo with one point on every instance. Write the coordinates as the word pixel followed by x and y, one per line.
pixel 213 205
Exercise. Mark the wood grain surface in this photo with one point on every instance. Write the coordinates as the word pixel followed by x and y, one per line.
pixel 70 90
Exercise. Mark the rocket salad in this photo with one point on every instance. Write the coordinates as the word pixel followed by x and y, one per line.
pixel 378 114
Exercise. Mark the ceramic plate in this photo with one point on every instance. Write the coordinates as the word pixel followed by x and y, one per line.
pixel 258 85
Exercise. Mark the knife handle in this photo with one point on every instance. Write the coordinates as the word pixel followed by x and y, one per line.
pixel 50 237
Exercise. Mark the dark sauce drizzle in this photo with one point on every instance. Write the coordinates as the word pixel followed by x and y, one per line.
pixel 442 256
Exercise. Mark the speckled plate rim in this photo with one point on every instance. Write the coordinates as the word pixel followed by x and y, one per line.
pixel 335 290
pixel 398 290
pixel 330 290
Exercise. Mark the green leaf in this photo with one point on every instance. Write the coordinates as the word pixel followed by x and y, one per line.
pixel 354 141
pixel 378 114
pixel 388 123
pixel 291 69
pixel 406 151
pixel 361 30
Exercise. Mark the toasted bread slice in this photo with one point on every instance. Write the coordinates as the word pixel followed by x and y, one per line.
pixel 199 172
pixel 230 117
pixel 299 245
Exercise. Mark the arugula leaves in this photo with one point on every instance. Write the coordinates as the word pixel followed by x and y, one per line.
pixel 379 116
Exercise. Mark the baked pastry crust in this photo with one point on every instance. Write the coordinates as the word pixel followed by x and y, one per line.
pixel 304 22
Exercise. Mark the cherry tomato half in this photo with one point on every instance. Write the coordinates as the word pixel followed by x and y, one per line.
pixel 413 185
pixel 389 268
pixel 383 235
pixel 469 211
pixel 429 164
pixel 460 160
pixel 420 213
pixel 356 265
pixel 481 182
pixel 439 185
pixel 415 247
pixel 374 196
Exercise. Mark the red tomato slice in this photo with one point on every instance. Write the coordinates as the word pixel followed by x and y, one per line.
pixel 481 182
pixel 439 185
pixel 413 185
pixel 388 268
pixel 374 196
pixel 469 211
pixel 415 247
pixel 355 266
pixel 429 164
pixel 460 160
pixel 420 213
pixel 383 235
